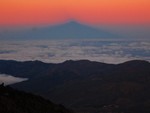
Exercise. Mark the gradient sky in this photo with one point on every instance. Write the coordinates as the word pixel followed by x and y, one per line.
pixel 94 12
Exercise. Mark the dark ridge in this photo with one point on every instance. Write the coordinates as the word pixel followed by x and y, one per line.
pixel 24 69
pixel 81 61
pixel 87 86
pixel 14 101
pixel 135 62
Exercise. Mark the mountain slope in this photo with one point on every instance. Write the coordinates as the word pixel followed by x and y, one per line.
pixel 14 101
pixel 89 86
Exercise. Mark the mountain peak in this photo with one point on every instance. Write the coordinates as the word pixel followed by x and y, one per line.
pixel 73 22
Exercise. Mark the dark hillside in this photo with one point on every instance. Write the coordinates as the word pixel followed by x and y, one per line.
pixel 89 86
pixel 14 101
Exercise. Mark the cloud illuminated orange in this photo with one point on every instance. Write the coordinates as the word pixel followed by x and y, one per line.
pixel 36 12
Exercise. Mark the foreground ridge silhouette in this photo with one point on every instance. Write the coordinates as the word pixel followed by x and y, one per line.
pixel 87 86
pixel 14 101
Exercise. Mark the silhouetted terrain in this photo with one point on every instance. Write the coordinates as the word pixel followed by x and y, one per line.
pixel 87 86
pixel 14 101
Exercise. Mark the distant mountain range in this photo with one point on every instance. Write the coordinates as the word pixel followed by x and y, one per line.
pixel 14 101
pixel 85 85
pixel 70 30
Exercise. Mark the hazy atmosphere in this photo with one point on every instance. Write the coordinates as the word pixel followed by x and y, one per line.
pixel 75 56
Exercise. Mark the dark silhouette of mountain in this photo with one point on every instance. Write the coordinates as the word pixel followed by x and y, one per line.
pixel 87 86
pixel 70 30
pixel 14 101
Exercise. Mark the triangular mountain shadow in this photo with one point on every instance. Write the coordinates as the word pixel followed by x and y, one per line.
pixel 69 30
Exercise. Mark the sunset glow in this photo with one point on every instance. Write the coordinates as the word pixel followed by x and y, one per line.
pixel 39 12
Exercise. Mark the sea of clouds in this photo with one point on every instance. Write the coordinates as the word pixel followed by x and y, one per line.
pixel 56 51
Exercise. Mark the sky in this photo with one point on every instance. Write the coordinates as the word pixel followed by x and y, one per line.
pixel 92 12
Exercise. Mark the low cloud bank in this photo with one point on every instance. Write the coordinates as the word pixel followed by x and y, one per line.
pixel 8 79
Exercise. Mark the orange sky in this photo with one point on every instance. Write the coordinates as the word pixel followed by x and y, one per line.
pixel 96 12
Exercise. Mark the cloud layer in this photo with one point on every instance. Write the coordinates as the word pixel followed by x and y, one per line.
pixel 55 51
pixel 8 79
